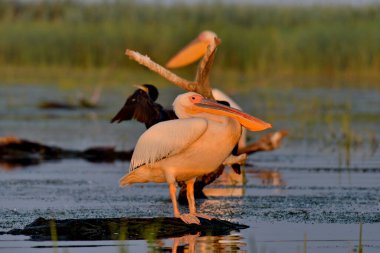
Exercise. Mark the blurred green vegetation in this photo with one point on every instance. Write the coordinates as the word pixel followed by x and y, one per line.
pixel 324 41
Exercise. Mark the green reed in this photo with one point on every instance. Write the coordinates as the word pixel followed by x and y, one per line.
pixel 123 236
pixel 269 40
pixel 360 246
pixel 54 235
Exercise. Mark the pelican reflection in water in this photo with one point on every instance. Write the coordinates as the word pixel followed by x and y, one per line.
pixel 202 244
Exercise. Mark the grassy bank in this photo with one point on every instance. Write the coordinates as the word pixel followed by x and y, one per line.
pixel 329 42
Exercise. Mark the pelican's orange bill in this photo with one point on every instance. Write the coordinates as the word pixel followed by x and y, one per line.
pixel 192 52
pixel 248 121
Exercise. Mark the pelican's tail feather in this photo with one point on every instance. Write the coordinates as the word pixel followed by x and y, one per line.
pixel 143 174
pixel 132 178
pixel 126 180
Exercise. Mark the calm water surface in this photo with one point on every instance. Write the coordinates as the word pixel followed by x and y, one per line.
pixel 313 192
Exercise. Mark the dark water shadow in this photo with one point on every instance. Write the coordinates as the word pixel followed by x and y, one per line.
pixel 15 152
pixel 122 229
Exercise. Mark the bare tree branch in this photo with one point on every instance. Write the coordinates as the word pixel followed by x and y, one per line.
pixel 204 69
pixel 170 76
pixel 201 84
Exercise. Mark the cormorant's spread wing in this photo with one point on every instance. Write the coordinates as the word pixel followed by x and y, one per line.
pixel 140 107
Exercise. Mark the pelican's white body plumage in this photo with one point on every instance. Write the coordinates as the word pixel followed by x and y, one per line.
pixel 178 150
pixel 164 141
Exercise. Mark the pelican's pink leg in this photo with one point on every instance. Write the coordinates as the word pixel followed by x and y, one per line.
pixel 191 200
pixel 172 191
pixel 190 217
pixel 187 218
pixel 190 196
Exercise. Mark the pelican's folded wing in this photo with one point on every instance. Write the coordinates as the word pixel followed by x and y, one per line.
pixel 166 139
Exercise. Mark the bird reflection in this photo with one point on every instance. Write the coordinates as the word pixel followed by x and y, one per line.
pixel 268 177
pixel 202 244
pixel 230 184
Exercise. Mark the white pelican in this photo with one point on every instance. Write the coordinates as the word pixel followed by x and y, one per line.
pixel 193 145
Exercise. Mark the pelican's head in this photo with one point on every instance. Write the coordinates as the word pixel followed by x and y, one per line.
pixel 193 51
pixel 192 104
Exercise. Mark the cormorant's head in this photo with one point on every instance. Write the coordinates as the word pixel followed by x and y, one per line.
pixel 150 89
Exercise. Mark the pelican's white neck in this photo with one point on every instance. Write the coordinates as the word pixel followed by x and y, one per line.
pixel 179 107
pixel 181 112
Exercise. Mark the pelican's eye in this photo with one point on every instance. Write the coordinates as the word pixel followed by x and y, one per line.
pixel 194 99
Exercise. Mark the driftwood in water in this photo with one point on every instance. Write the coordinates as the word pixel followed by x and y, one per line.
pixel 81 103
pixel 121 228
pixel 18 152
pixel 267 142
pixel 56 105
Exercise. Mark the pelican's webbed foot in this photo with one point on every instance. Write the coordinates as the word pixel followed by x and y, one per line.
pixel 204 216
pixel 190 218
